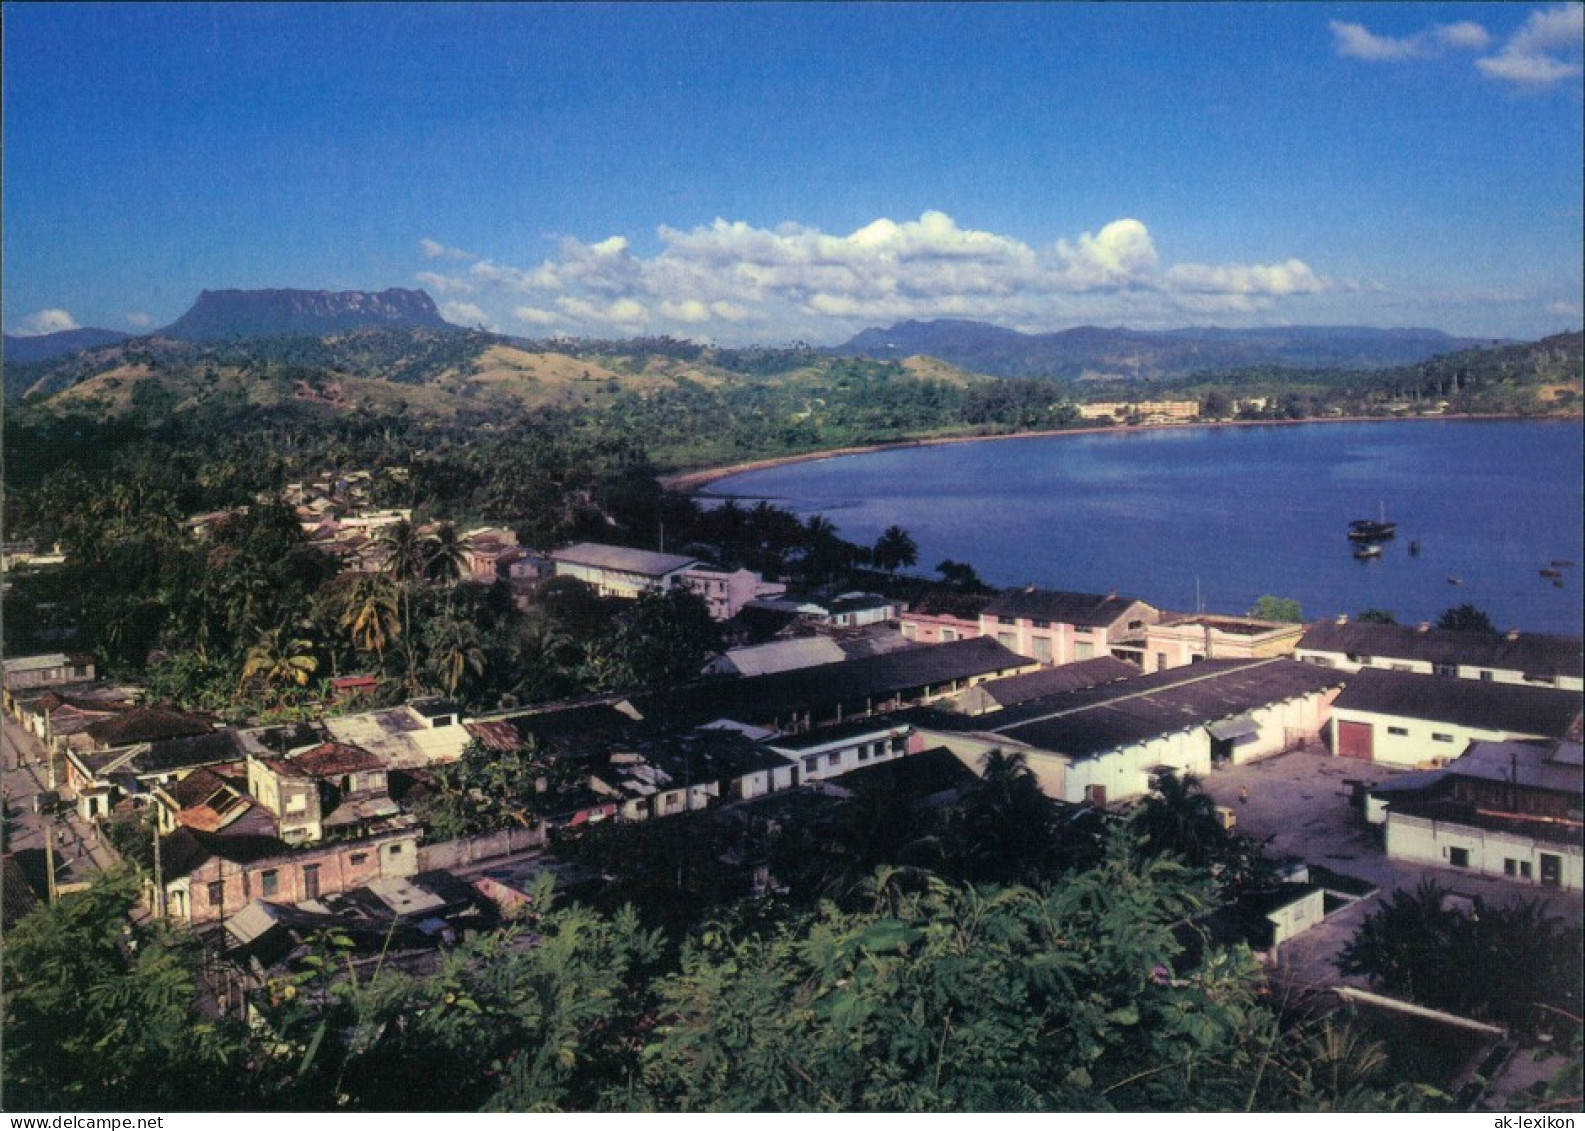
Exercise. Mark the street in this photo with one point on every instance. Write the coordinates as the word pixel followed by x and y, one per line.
pixel 77 848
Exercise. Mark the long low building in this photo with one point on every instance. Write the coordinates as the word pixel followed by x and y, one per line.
pixel 1407 720
pixel 1526 659
pixel 1106 743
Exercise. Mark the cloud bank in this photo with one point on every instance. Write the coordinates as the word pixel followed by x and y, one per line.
pixel 732 281
pixel 1545 50
pixel 46 322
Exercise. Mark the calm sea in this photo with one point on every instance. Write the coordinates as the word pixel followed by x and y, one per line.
pixel 1213 518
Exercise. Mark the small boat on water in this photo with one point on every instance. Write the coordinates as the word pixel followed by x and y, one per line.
pixel 1552 573
pixel 1367 551
pixel 1561 562
pixel 1372 529
pixel 1455 581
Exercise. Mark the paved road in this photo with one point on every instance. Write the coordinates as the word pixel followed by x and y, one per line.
pixel 79 851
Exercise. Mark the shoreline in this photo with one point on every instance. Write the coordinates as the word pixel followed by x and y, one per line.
pixel 693 482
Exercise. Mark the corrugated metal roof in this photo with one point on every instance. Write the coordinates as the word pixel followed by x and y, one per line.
pixel 1531 653
pixel 645 562
pixel 1538 711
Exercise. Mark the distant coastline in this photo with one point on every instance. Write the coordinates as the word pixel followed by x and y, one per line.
pixel 691 482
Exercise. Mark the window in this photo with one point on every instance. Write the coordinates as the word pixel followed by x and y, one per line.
pixel 1485 677
pixel 1006 620
pixel 270 883
pixel 834 759
pixel 217 893
pixel 1444 669
pixel 1524 869
pixel 1042 649
pixel 358 858
pixel 909 631
pixel 1083 650
pixel 1441 737
pixel 1005 639
pixel 1401 732
pixel 1042 624
pixel 1161 661
pixel 948 635
pixel 1458 857
pixel 394 850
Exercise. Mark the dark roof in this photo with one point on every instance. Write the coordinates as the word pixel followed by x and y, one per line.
pixel 1092 610
pixel 824 736
pixel 1445 810
pixel 1532 654
pixel 213 748
pixel 578 727
pixel 1054 681
pixel 186 849
pixel 1539 711
pixel 1093 720
pixel 929 773
pixel 147 724
pixel 947 603
pixel 779 695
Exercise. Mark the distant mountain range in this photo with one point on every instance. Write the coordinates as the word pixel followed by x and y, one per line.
pixel 1089 352
pixel 220 316
pixel 46 347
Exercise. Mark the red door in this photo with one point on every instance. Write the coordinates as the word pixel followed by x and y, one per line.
pixel 1355 740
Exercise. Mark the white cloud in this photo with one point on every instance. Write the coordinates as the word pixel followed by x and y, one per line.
pixel 444 284
pixel 434 249
pixel 1545 49
pixel 466 314
pixel 1355 41
pixel 729 279
pixel 47 322
pixel 138 319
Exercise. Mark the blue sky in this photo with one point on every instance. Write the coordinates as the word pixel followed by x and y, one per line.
pixel 766 173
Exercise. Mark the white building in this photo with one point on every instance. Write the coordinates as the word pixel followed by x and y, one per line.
pixel 1527 659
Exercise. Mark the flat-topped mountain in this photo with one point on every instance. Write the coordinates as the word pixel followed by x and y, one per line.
pixel 221 315
pixel 1096 351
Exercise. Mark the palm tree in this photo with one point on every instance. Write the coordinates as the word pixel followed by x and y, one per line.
pixel 895 549
pixel 279 660
pixel 368 609
pixel 455 654
pixel 407 551
pixel 1181 818
pixel 1007 823
pixel 445 555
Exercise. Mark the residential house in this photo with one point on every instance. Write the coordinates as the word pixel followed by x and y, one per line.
pixel 1407 720
pixel 1111 742
pixel 419 733
pixel 324 791
pixel 207 800
pixel 50 670
pixel 1176 641
pixel 849 610
pixel 210 876
pixel 125 754
pixel 726 592
pixel 487 548
pixel 1527 659
pixel 1503 809
pixel 1058 628
pixel 617 571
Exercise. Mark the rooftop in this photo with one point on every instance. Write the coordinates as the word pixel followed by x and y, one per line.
pixel 1537 711
pixel 645 562
pixel 1532 654
pixel 1091 610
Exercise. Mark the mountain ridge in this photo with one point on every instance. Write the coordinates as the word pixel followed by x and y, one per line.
pixel 222 314
pixel 1091 352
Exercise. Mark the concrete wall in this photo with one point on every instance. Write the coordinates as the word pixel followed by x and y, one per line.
pixel 1420 840
pixel 1407 743
pixel 470 850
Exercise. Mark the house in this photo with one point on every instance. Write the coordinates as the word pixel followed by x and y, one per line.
pixel 49 670
pixel 1175 641
pixel 849 610
pixel 835 750
pixel 1407 720
pixel 486 549
pixel 210 876
pixel 726 592
pixel 419 733
pixel 101 776
pixel 323 791
pixel 1503 809
pixel 616 571
pixel 1058 628
pixel 207 800
pixel 1527 659
pixel 1101 744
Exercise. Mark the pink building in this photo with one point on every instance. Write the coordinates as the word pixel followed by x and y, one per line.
pixel 941 618
pixel 1179 640
pixel 1059 628
pixel 727 591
